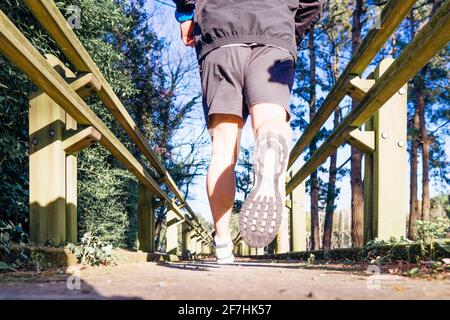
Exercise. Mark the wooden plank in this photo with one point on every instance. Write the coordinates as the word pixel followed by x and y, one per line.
pixel 86 85
pixel 71 188
pixel 369 223
pixel 245 248
pixel 171 233
pixel 359 87
pixel 428 42
pixel 390 165
pixel 47 171
pixel 282 238
pixel 81 139
pixel 391 17
pixel 193 244
pixel 364 141
pixel 298 218
pixel 185 240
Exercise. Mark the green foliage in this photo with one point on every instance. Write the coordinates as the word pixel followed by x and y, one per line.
pixel 14 90
pixel 430 234
pixel 105 189
pixel 441 202
pixel 103 194
pixel 311 259
pixel 430 231
pixel 92 251
pixel 10 234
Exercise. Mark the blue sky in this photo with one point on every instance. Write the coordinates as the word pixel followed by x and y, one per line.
pixel 166 26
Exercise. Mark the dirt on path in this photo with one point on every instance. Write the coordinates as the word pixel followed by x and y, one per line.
pixel 198 280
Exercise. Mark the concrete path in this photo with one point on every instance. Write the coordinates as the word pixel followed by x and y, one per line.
pixel 207 280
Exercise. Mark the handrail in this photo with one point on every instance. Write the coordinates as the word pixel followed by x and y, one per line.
pixel 18 49
pixel 49 16
pixel 432 38
pixel 391 17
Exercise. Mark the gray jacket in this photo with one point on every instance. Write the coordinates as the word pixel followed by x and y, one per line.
pixel 281 23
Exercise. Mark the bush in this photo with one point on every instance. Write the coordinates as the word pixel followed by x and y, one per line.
pixel 92 251
pixel 430 231
pixel 11 259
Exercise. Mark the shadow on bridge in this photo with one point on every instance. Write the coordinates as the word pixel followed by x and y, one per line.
pixel 206 266
pixel 67 286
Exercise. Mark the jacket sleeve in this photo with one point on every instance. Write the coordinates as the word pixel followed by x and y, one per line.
pixel 185 6
pixel 309 12
pixel 184 10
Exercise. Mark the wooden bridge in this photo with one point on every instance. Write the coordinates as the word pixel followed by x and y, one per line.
pixel 61 124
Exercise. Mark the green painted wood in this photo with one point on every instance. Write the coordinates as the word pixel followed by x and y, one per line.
pixel 298 219
pixel 390 165
pixel 172 233
pixel 146 220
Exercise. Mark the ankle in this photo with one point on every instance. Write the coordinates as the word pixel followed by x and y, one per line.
pixel 222 238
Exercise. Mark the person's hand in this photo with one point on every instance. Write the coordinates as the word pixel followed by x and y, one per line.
pixel 187 33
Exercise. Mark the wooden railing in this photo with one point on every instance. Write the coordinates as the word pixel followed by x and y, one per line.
pixel 377 127
pixel 61 124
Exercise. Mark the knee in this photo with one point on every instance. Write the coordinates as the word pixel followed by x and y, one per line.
pixel 265 114
pixel 224 157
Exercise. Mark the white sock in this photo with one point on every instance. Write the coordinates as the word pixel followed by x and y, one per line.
pixel 222 241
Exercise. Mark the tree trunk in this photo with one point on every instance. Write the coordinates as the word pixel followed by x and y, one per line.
pixel 420 100
pixel 158 228
pixel 315 238
pixel 331 196
pixel 425 155
pixel 331 192
pixel 341 229
pixel 357 205
pixel 413 202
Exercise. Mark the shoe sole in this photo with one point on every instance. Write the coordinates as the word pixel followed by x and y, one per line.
pixel 262 211
pixel 225 261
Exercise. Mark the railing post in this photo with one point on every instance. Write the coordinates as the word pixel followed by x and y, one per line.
pixel 203 247
pixel 185 240
pixel 298 218
pixel 47 171
pixel 53 175
pixel 55 141
pixel 71 188
pixel 146 220
pixel 172 233
pixel 386 171
pixel 282 238
pixel 193 244
pixel 245 248
pixel 237 249
pixel 241 247
pixel 199 246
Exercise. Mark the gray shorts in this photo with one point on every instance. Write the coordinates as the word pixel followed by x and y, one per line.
pixel 238 77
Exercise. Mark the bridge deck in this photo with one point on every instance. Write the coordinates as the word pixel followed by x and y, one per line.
pixel 206 280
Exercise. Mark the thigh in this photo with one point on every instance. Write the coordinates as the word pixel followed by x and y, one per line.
pixel 269 78
pixel 222 75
